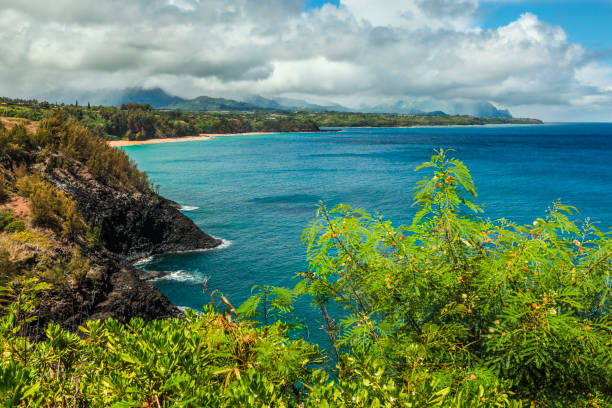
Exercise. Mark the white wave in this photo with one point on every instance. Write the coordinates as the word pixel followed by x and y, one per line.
pixel 143 261
pixel 224 244
pixel 180 276
pixel 188 207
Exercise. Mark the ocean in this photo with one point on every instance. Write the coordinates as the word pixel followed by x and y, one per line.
pixel 258 192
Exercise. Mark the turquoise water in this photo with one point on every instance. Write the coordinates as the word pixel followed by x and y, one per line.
pixel 258 192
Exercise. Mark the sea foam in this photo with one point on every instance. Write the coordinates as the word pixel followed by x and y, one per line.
pixel 188 207
pixel 143 261
pixel 224 244
pixel 180 276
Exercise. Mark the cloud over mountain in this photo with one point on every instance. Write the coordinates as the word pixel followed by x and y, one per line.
pixel 360 52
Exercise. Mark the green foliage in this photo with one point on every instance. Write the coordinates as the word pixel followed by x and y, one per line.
pixel 79 266
pixel 3 189
pixel 15 226
pixel 6 217
pixel 462 299
pixel 50 207
pixel 353 119
pixel 107 164
pixel 271 304
pixel 93 236
pixel 61 136
pixel 202 360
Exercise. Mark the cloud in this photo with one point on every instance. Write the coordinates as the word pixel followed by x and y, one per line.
pixel 358 52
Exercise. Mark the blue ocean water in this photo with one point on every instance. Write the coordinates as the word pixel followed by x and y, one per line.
pixel 259 191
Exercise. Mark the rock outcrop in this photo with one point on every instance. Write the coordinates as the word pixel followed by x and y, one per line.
pixel 133 225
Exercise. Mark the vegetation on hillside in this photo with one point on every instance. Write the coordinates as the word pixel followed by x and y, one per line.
pixel 452 310
pixel 341 119
pixel 42 233
pixel 139 121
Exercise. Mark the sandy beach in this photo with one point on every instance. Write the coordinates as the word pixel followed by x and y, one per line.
pixel 202 136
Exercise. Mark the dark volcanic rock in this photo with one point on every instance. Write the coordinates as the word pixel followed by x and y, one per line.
pixel 118 293
pixel 133 224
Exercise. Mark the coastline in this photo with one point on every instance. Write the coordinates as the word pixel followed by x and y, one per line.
pixel 202 136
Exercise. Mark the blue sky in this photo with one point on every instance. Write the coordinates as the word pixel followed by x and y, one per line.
pixel 587 22
pixel 318 3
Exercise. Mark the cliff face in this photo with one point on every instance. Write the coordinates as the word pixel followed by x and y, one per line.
pixel 133 225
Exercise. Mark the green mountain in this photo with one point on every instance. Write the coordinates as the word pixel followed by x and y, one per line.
pixel 206 103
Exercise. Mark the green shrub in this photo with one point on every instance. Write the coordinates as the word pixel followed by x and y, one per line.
pixel 7 267
pixel 15 226
pixel 4 195
pixel 93 236
pixel 26 184
pixel 107 164
pixel 50 207
pixel 6 217
pixel 464 300
pixel 79 266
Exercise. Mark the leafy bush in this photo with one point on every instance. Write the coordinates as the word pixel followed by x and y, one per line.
pixel 79 266
pixel 50 207
pixel 15 226
pixel 465 300
pixel 6 217
pixel 203 360
pixel 107 164
pixel 3 189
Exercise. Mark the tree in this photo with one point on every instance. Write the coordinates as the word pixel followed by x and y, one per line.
pixel 464 300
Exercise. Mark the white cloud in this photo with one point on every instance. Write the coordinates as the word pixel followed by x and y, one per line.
pixel 359 52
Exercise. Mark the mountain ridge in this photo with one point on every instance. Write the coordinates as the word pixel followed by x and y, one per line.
pixel 159 98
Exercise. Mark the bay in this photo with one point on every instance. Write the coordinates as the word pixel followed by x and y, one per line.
pixel 257 192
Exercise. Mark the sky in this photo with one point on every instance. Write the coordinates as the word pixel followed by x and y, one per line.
pixel 546 59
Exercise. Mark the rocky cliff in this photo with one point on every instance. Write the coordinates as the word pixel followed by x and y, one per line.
pixel 133 225
pixel 80 214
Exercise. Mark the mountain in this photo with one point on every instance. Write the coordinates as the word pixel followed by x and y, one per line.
pixel 155 97
pixel 479 109
pixel 279 103
pixel 262 102
pixel 206 103
pixel 160 99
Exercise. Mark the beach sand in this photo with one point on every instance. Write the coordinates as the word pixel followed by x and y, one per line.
pixel 203 136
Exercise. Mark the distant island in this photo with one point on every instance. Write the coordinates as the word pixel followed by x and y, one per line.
pixel 141 121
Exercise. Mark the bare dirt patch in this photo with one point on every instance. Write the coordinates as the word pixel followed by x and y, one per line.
pixel 10 123
pixel 18 206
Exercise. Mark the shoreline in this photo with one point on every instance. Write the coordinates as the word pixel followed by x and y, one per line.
pixel 202 136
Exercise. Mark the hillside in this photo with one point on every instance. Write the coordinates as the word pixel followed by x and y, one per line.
pixel 75 214
pixel 160 99
pixel 135 121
